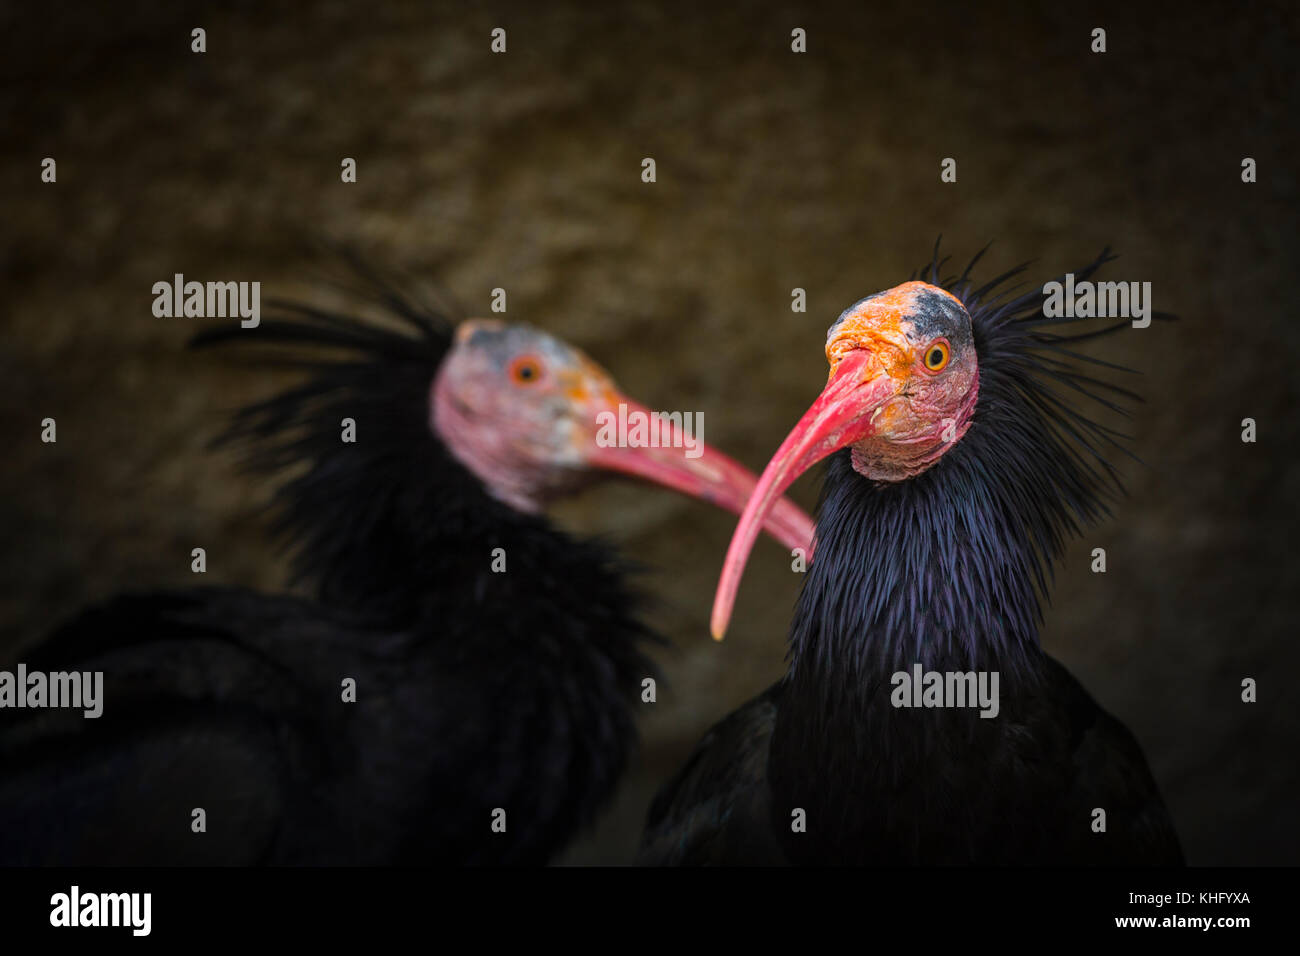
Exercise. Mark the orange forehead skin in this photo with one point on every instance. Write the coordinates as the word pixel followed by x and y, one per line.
pixel 588 378
pixel 877 324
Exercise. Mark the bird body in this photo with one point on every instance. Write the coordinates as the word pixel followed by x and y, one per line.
pixel 944 503
pixel 238 704
pixel 938 790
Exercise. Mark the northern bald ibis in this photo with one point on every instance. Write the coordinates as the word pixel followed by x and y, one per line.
pixel 962 458
pixel 494 709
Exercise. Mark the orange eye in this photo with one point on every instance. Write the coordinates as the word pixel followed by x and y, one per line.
pixel 525 370
pixel 937 355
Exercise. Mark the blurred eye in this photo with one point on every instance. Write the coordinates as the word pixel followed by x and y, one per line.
pixel 937 355
pixel 525 370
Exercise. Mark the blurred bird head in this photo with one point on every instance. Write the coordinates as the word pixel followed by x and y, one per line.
pixel 525 413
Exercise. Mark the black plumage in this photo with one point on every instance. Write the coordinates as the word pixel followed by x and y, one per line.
pixel 474 690
pixel 945 569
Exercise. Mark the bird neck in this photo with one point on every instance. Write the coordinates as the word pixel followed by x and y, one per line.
pixel 936 571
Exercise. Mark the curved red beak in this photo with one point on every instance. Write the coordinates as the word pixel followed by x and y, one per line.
pixel 842 415
pixel 703 472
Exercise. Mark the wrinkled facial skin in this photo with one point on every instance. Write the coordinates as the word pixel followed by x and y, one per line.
pixel 927 410
pixel 515 405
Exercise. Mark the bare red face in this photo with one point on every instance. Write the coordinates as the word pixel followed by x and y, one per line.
pixel 903 384
pixel 524 411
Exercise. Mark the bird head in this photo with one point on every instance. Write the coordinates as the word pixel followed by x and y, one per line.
pixel 902 390
pixel 903 383
pixel 524 412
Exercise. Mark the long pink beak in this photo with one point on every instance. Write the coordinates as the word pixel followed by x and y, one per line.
pixel 711 477
pixel 841 416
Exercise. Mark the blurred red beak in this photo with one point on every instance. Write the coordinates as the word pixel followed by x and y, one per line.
pixel 711 477
pixel 841 416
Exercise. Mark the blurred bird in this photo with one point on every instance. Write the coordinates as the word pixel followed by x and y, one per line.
pixel 437 700
pixel 961 464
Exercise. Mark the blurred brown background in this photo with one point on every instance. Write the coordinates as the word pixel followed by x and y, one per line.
pixel 775 170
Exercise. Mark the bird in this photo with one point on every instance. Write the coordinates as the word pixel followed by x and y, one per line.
pixel 453 682
pixel 968 442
